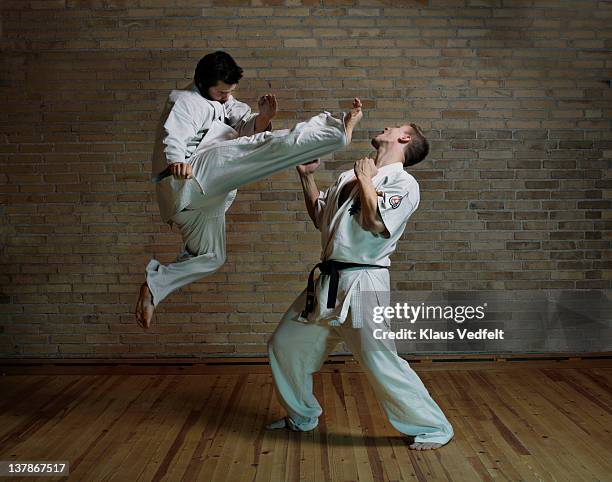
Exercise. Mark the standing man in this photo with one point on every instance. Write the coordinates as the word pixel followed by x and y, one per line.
pixel 210 145
pixel 361 218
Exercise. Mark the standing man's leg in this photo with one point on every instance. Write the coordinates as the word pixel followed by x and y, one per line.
pixel 203 235
pixel 405 400
pixel 297 350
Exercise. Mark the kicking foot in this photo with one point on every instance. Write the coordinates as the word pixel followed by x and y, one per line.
pixel 352 119
pixel 144 307
pixel 425 446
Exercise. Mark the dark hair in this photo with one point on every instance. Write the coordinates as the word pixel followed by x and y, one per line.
pixel 417 148
pixel 215 67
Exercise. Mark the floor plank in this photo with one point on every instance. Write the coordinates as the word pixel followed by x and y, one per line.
pixel 538 423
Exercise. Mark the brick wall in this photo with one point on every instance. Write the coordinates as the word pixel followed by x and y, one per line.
pixel 516 193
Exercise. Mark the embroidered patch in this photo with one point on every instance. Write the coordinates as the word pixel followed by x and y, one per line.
pixel 395 201
pixel 355 207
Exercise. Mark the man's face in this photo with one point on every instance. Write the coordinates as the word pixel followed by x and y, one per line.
pixel 401 133
pixel 221 91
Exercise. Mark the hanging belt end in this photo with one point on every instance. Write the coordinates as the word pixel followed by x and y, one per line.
pixel 309 305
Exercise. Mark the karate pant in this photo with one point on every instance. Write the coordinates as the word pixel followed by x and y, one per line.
pixel 297 350
pixel 218 170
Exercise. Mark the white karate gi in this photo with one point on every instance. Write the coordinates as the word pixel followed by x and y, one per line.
pixel 299 346
pixel 221 161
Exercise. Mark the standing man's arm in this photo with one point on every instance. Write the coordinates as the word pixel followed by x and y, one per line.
pixel 309 186
pixel 365 170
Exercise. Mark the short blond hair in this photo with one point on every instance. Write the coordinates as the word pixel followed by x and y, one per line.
pixel 418 147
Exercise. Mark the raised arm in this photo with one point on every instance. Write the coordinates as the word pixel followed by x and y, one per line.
pixel 267 110
pixel 371 221
pixel 309 186
pixel 246 122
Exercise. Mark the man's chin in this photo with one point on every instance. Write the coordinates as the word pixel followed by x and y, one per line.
pixel 375 143
pixel 213 100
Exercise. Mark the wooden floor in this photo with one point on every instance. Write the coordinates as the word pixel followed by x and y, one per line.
pixel 532 424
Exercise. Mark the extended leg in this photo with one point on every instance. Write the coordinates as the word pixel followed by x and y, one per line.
pixel 297 350
pixel 230 164
pixel 405 400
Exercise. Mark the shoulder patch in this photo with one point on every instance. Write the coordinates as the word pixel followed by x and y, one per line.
pixel 395 201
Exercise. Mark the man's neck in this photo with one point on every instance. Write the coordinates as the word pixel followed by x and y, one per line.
pixel 386 156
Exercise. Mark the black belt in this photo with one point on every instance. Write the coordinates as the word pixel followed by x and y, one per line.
pixel 330 268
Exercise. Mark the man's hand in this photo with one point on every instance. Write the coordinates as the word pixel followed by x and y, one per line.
pixel 267 106
pixel 180 170
pixel 308 167
pixel 365 168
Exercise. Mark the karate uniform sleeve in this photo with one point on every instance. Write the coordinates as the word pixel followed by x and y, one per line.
pixel 320 207
pixel 180 126
pixel 242 119
pixel 400 198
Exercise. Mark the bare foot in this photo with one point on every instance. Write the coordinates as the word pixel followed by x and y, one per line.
pixel 425 446
pixel 144 307
pixel 277 424
pixel 285 423
pixel 352 119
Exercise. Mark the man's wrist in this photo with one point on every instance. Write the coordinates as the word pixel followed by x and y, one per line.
pixel 362 177
pixel 262 123
pixel 265 118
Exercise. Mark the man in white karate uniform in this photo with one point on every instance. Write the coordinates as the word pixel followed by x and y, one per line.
pixel 210 145
pixel 361 218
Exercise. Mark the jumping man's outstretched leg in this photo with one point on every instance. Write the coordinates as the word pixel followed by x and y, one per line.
pixel 230 164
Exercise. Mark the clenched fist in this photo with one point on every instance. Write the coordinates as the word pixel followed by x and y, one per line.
pixel 180 170
pixel 267 106
pixel 365 168
pixel 308 167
